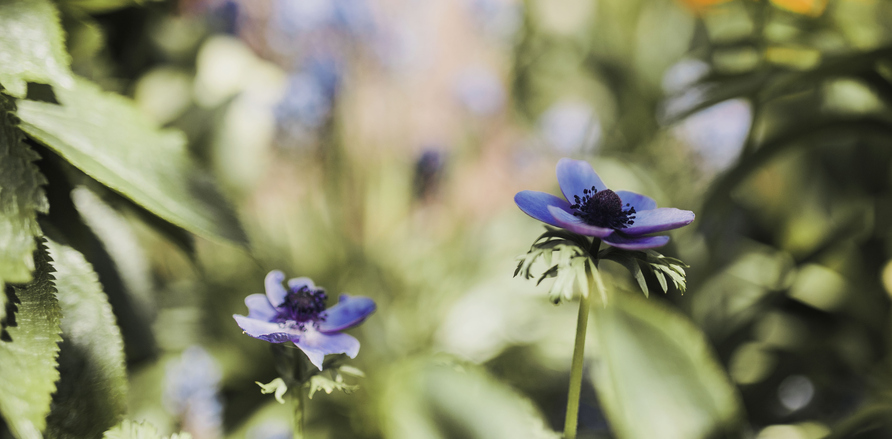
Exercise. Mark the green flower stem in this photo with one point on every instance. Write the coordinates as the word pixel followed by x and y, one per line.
pixel 297 395
pixel 576 367
pixel 594 280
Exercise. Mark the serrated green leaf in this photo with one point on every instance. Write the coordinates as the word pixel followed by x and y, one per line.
pixel 105 136
pixel 32 46
pixel 28 371
pixel 138 430
pixel 21 198
pixel 91 395
pixel 655 365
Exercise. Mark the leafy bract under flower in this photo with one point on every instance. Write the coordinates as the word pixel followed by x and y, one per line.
pixel 297 314
pixel 621 219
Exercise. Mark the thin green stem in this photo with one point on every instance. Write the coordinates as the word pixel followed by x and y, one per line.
pixel 594 280
pixel 578 360
pixel 297 396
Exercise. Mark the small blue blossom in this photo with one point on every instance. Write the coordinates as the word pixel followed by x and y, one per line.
pixel 621 219
pixel 428 172
pixel 480 90
pixel 298 315
pixel 192 393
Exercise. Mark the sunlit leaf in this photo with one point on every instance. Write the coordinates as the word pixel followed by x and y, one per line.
pixel 657 376
pixel 99 6
pixel 32 46
pixel 449 401
pixel 21 198
pixel 105 136
pixel 121 243
pixel 28 371
pixel 91 395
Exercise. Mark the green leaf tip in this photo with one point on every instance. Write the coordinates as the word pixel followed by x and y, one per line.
pixel 22 197
pixel 321 382
pixel 105 136
pixel 92 392
pixel 568 259
pixel 28 356
pixel 660 266
pixel 32 46
pixel 276 386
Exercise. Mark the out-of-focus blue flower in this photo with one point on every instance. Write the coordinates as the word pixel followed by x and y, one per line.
pixel 428 172
pixel 497 18
pixel 480 90
pixel 309 97
pixel 718 133
pixel 352 18
pixel 191 392
pixel 305 102
pixel 291 18
pixel 621 219
pixel 298 315
pixel 570 127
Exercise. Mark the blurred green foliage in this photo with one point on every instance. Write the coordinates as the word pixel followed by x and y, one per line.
pixel 769 119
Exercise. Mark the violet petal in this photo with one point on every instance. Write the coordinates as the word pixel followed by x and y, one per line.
pixel 658 220
pixel 638 201
pixel 567 220
pixel 350 311
pixel 267 331
pixel 316 345
pixel 274 289
pixel 259 308
pixel 300 282
pixel 535 204
pixel 576 175
pixel 635 242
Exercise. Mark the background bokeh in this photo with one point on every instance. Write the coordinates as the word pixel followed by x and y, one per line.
pixel 376 146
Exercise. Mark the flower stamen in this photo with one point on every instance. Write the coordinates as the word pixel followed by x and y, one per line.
pixel 603 209
pixel 302 305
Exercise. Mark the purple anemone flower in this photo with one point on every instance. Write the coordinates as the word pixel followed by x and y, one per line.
pixel 622 219
pixel 298 315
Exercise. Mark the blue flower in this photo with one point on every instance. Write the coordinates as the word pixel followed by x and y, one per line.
pixel 621 219
pixel 298 315
pixel 192 393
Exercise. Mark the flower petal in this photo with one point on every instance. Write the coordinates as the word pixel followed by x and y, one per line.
pixel 638 201
pixel 350 311
pixel 658 220
pixel 576 175
pixel 316 345
pixel 574 224
pixel 620 240
pixel 259 307
pixel 299 282
pixel 535 204
pixel 274 289
pixel 266 331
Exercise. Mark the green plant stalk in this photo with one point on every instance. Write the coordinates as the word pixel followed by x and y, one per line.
pixel 578 360
pixel 297 397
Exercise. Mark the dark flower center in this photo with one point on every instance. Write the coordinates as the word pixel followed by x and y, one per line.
pixel 302 305
pixel 603 209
